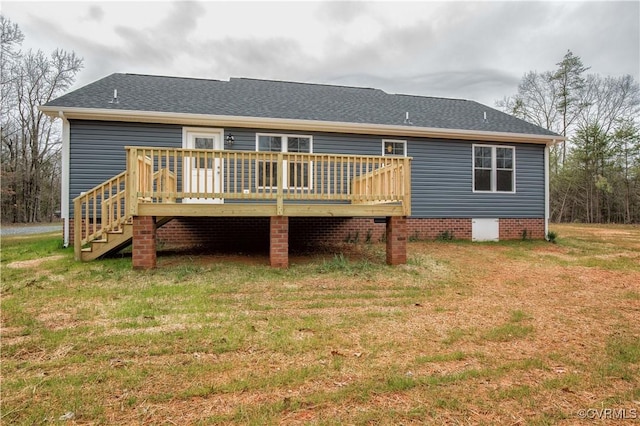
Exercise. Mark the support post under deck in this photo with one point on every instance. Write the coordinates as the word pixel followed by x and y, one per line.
pixel 279 242
pixel 396 240
pixel 144 242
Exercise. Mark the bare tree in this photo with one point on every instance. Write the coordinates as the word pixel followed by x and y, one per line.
pixel 536 100
pixel 30 140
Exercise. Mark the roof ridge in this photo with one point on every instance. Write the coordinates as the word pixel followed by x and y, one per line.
pixel 307 83
pixel 170 76
pixel 431 97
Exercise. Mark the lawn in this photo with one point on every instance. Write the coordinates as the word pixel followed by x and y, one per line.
pixel 522 332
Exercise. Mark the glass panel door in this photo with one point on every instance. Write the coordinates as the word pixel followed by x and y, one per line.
pixel 202 168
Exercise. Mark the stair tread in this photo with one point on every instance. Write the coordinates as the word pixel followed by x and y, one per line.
pixel 119 239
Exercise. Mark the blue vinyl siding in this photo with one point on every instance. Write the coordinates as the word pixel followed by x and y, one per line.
pixel 97 149
pixel 441 169
pixel 442 176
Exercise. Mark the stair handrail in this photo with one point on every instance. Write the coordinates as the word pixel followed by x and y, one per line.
pixel 100 210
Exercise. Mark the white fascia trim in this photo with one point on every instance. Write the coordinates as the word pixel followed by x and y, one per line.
pixel 64 190
pixel 293 124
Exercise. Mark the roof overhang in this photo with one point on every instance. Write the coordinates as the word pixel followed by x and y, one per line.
pixel 293 124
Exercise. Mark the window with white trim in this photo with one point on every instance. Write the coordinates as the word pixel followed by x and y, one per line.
pixel 296 174
pixel 494 168
pixel 394 148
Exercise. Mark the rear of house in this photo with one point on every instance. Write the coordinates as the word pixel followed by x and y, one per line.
pixel 260 164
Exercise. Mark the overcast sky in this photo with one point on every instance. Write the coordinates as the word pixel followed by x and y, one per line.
pixel 473 50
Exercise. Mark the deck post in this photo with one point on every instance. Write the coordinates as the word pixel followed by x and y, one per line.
pixel 131 183
pixel 280 183
pixel 406 198
pixel 279 242
pixel 396 240
pixel 77 229
pixel 144 242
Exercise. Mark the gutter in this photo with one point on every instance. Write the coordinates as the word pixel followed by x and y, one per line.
pixel 64 178
pixel 293 124
pixel 546 188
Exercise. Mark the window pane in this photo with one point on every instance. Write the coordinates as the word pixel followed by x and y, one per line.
pixel 394 148
pixel 204 143
pixel 298 144
pixel 482 180
pixel 483 151
pixel 504 158
pixel 482 156
pixel 267 173
pixel 269 143
pixel 504 180
pixel 298 175
pixel 483 162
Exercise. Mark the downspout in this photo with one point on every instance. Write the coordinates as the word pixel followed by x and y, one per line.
pixel 546 190
pixel 64 190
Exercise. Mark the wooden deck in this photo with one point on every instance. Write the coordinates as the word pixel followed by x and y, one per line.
pixel 167 183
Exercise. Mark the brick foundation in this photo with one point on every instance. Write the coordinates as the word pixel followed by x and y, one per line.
pixel 144 242
pixel 279 242
pixel 432 229
pixel 217 234
pixel 515 229
pixel 307 234
pixel 71 233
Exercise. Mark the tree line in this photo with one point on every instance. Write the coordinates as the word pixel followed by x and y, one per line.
pixel 595 174
pixel 30 141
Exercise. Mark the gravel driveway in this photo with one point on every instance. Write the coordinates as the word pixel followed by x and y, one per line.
pixel 7 230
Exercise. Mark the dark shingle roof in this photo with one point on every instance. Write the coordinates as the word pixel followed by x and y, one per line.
pixel 288 100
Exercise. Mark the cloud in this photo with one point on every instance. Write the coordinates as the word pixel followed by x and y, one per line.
pixel 182 19
pixel 274 58
pixel 342 12
pixel 96 13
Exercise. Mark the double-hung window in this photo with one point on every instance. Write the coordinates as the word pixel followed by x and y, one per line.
pixel 494 168
pixel 296 172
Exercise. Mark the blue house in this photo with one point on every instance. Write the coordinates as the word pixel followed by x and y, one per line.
pixel 151 160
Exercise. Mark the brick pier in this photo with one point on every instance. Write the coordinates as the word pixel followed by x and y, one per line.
pixel 396 240
pixel 144 242
pixel 279 242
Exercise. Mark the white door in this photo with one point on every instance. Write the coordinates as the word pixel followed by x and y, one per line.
pixel 203 174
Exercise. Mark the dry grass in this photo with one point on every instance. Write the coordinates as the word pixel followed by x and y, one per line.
pixel 508 333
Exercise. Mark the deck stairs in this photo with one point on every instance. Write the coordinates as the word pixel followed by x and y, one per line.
pixel 113 241
pixel 105 227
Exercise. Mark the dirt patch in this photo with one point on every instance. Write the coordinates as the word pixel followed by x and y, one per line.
pixel 33 263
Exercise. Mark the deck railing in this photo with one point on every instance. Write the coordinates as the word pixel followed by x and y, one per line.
pixel 158 175
pixel 99 210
